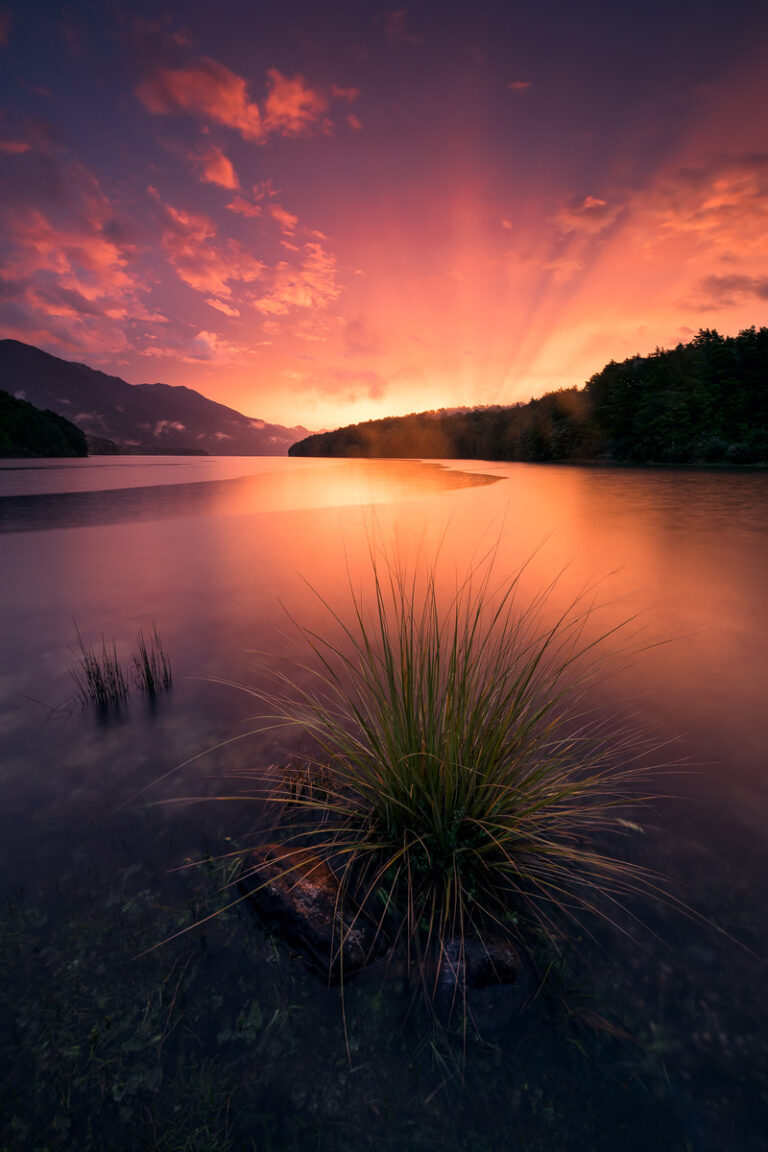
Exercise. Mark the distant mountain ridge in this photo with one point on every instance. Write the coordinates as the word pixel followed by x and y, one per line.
pixel 141 418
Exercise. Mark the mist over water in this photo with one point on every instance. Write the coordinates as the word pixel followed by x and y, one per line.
pixel 216 552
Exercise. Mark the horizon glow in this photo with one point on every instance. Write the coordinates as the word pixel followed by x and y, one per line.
pixel 319 217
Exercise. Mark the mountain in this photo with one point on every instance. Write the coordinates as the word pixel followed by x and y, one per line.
pixel 140 418
pixel 26 431
pixel 705 402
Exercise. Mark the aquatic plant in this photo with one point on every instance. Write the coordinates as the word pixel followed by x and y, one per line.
pixel 151 666
pixel 465 768
pixel 99 676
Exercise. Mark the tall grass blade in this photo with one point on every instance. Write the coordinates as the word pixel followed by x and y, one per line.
pixel 98 675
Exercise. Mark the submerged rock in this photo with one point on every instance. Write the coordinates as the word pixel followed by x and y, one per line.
pixel 299 897
pixel 471 965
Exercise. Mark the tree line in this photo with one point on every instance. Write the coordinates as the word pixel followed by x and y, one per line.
pixel 705 402
pixel 29 431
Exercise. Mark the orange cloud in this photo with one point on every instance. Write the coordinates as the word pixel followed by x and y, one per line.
pixel 588 216
pixel 722 205
pixel 311 285
pixel 69 286
pixel 244 207
pixel 287 221
pixel 292 108
pixel 222 306
pixel 207 89
pixel 212 92
pixel 80 255
pixel 216 168
pixel 188 240
pixel 205 347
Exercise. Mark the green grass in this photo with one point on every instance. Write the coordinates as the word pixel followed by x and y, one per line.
pixel 465 768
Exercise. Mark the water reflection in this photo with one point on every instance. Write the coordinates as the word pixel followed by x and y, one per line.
pixel 125 493
pixel 211 559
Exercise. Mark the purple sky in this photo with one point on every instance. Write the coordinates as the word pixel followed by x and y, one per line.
pixel 320 213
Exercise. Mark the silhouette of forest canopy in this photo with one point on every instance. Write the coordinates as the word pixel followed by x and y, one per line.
pixel 705 402
pixel 29 431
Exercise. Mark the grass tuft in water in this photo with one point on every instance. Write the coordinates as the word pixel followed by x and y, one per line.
pixel 151 666
pixel 468 774
pixel 98 675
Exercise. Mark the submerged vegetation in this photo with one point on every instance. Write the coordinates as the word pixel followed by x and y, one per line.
pixel 151 666
pixel 460 768
pixel 99 675
pixel 705 402
pixel 100 678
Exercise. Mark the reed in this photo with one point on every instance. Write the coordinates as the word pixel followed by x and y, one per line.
pixel 98 675
pixel 151 666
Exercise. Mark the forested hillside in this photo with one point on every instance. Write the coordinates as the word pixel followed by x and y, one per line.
pixel 28 431
pixel 705 402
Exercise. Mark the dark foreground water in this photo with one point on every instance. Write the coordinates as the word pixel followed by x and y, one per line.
pixel 651 1033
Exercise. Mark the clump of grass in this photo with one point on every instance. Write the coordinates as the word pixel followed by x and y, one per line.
pixel 99 676
pixel 151 666
pixel 467 771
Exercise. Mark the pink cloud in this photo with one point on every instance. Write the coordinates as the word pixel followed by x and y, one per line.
pixel 222 306
pixel 346 383
pixel 212 346
pixel 210 91
pixel 312 284
pixel 14 147
pixel 5 25
pixel 588 216
pixel 287 221
pixel 216 168
pixel 69 263
pixel 189 242
pixel 291 107
pixel 348 94
pixel 81 255
pixel 518 85
pixel 354 122
pixel 204 348
pixel 207 89
pixel 244 207
pixel 721 205
pixel 564 268
pixel 719 292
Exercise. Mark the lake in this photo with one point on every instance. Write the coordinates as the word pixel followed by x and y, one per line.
pixel 122 1027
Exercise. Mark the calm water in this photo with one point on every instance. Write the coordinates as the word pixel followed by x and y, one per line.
pixel 647 1035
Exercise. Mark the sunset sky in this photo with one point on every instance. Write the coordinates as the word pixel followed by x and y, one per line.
pixel 320 213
